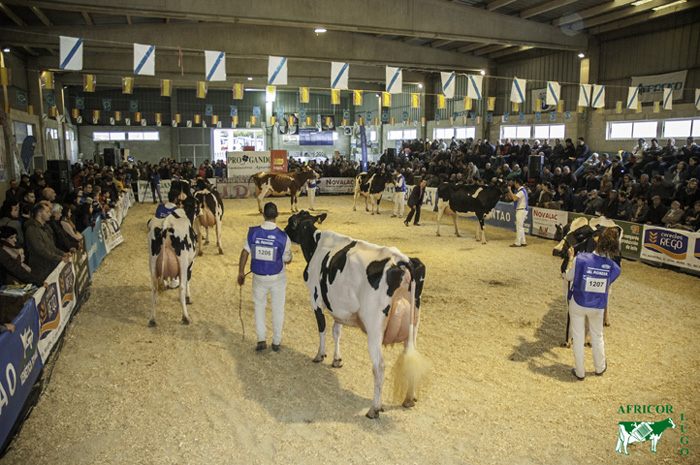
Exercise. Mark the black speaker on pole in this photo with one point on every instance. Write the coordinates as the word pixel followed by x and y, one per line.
pixel 534 166
pixel 58 176
pixel 110 157
pixel 391 155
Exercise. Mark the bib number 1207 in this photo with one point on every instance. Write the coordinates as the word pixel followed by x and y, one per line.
pixel 596 285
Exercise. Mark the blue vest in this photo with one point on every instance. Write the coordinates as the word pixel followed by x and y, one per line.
pixel 312 183
pixel 162 211
pixel 525 198
pixel 266 250
pixel 400 184
pixel 592 279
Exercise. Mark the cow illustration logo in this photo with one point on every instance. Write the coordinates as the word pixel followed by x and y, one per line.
pixel 669 243
pixel 66 281
pixel 49 311
pixel 27 337
pixel 641 431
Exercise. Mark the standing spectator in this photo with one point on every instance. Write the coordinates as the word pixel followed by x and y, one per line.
pixel 311 192
pixel 155 185
pixel 42 254
pixel 521 210
pixel 591 275
pixel 14 191
pixel 415 200
pixel 270 249
pixel 399 195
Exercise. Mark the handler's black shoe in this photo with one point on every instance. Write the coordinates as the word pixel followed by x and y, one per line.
pixel 573 372
pixel 262 345
pixel 604 370
pixel 276 347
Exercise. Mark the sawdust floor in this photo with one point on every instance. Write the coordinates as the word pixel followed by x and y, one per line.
pixel 493 318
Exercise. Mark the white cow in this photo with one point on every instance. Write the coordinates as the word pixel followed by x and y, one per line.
pixel 367 286
pixel 172 247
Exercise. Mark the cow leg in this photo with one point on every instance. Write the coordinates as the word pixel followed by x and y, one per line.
pixel 366 202
pixel 378 200
pixel 197 226
pixel 206 241
pixel 654 441
pixel 321 322
pixel 154 293
pixel 337 359
pixel 439 218
pixel 185 272
pixel 218 235
pixel 456 219
pixel 374 342
pixel 354 204
pixel 483 231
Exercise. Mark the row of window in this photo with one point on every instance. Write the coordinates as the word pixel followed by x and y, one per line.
pixel 676 128
pixel 121 136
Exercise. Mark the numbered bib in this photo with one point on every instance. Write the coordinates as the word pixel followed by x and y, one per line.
pixel 596 285
pixel 266 254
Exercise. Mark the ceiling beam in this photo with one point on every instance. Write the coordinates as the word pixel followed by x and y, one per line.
pixel 470 48
pixel 440 43
pixel 128 19
pixel 498 4
pixel 622 14
pixel 646 17
pixel 40 14
pixel 87 18
pixel 30 50
pixel 52 51
pixel 509 51
pixel 595 11
pixel 427 18
pixel 545 7
pixel 11 14
pixel 491 49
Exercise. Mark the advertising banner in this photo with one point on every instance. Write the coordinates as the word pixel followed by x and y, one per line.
pixel 112 234
pixel 82 272
pixel 20 366
pixel 236 188
pixel 146 194
pixel 279 160
pixel 246 164
pixel 651 88
pixel 337 185
pixel 631 235
pixel 671 247
pixel 503 216
pixel 94 245
pixel 54 305
pixel 544 221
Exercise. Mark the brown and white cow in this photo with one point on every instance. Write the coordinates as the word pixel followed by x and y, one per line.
pixel 282 183
pixel 377 289
pixel 210 214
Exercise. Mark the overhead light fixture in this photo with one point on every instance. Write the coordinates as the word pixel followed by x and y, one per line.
pixel 376 95
pixel 320 30
pixel 483 72
pixel 581 55
pixel 420 85
pixel 250 78
pixel 662 7
pixel 641 2
pixel 6 49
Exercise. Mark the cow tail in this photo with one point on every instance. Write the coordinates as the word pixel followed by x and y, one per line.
pixel 160 285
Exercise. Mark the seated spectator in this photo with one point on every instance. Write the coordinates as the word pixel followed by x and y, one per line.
pixel 557 156
pixel 615 172
pixel 567 177
pixel 628 186
pixel 691 218
pixel 14 192
pixel 47 194
pixel 603 166
pixel 62 239
pixel 688 195
pixel 673 217
pixel 28 199
pixel 649 155
pixel 579 201
pixel 662 188
pixel 556 177
pixel 640 212
pixel 516 173
pixel 657 210
pixel 589 165
pixel 582 151
pixel 594 204
pixel 9 216
pixel 69 226
pixel 636 153
pixel 13 269
pixel 592 182
pixel 678 175
pixel 546 196
pixel 624 209
pixel 611 205
pixel 666 157
pixel 42 254
pixel 563 198
pixel 84 217
pixel 606 186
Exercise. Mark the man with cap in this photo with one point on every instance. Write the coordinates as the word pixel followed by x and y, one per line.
pixel 521 211
pixel 270 250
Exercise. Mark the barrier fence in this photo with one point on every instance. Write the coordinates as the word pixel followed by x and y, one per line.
pixel 44 316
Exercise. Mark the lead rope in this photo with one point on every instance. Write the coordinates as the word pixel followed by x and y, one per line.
pixel 240 306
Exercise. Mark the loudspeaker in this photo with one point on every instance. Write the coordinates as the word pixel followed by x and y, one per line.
pixel 110 158
pixel 391 155
pixel 534 166
pixel 58 176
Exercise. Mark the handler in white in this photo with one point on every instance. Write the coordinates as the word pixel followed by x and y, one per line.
pixel 270 249
pixel 521 210
pixel 311 192
pixel 399 195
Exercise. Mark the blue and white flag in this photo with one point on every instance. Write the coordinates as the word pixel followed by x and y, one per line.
pixel 632 97
pixel 697 99
pixel 598 96
pixel 71 56
pixel 277 71
pixel 394 80
pixel 339 75
pixel 215 65
pixel 553 93
pixel 584 95
pixel 448 84
pixel 144 60
pixel 517 92
pixel 668 99
pixel 474 86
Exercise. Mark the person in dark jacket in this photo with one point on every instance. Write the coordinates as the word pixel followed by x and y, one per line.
pixel 415 200
pixel 656 211
pixel 13 270
pixel 42 254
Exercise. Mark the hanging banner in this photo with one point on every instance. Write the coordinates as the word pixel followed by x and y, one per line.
pixel 277 71
pixel 107 104
pixel 71 53
pixel 394 80
pixel 415 100
pixel 89 82
pixel 386 99
pixel 357 97
pixel 270 93
pixel 335 97
pixel 697 99
pixel 618 107
pixel 166 87
pixel 516 107
pixel 47 80
pixel 118 115
pixel 339 75
pixel 553 93
pixel 598 96
pixel 144 60
pixel 491 104
pixel 467 103
pixel 632 97
pixel 584 96
pixel 303 95
pixel 127 85
pixel 5 76
pixel 651 87
pixel 448 84
pixel 668 99
pixel 517 91
pixel 238 91
pixel 441 101
pixel 137 117
pixel 474 86
pixel 201 89
pixel 214 65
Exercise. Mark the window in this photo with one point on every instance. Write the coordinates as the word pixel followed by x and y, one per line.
pixel 516 132
pixel 402 135
pixel 682 128
pixel 443 133
pixel 52 133
pixel 373 136
pixel 631 130
pixel 117 136
pixel 135 136
pixel 546 131
pixel 409 134
pixel 100 136
pixel 465 133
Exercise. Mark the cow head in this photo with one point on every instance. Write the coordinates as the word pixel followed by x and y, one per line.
pixel 300 229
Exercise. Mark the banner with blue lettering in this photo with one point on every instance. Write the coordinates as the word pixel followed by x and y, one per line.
pixel 363 145
pixel 20 366
pixel 54 305
pixel 95 246
pixel 503 216
pixel 672 247
pixel 315 137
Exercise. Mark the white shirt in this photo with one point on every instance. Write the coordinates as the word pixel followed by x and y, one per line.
pixel 287 255
pixel 520 203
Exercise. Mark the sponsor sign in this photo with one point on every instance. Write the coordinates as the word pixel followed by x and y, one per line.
pixel 336 185
pixel 671 247
pixel 631 235
pixel 651 88
pixel 94 246
pixel 20 366
pixel 82 272
pixel 247 164
pixel 54 305
pixel 545 221
pixel 279 160
pixel 539 96
pixel 503 216
pixel 112 234
pixel 237 187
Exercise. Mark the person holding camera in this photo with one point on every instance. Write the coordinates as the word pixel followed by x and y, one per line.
pixel 521 211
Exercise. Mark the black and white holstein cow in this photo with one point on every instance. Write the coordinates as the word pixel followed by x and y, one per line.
pixel 582 235
pixel 375 288
pixel 371 186
pixel 282 183
pixel 454 199
pixel 172 246
pixel 211 212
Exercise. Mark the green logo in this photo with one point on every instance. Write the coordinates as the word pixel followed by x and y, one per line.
pixel 641 431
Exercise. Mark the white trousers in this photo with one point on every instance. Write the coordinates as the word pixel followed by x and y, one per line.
pixel 578 316
pixel 276 286
pixel 399 202
pixel 520 217
pixel 311 192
